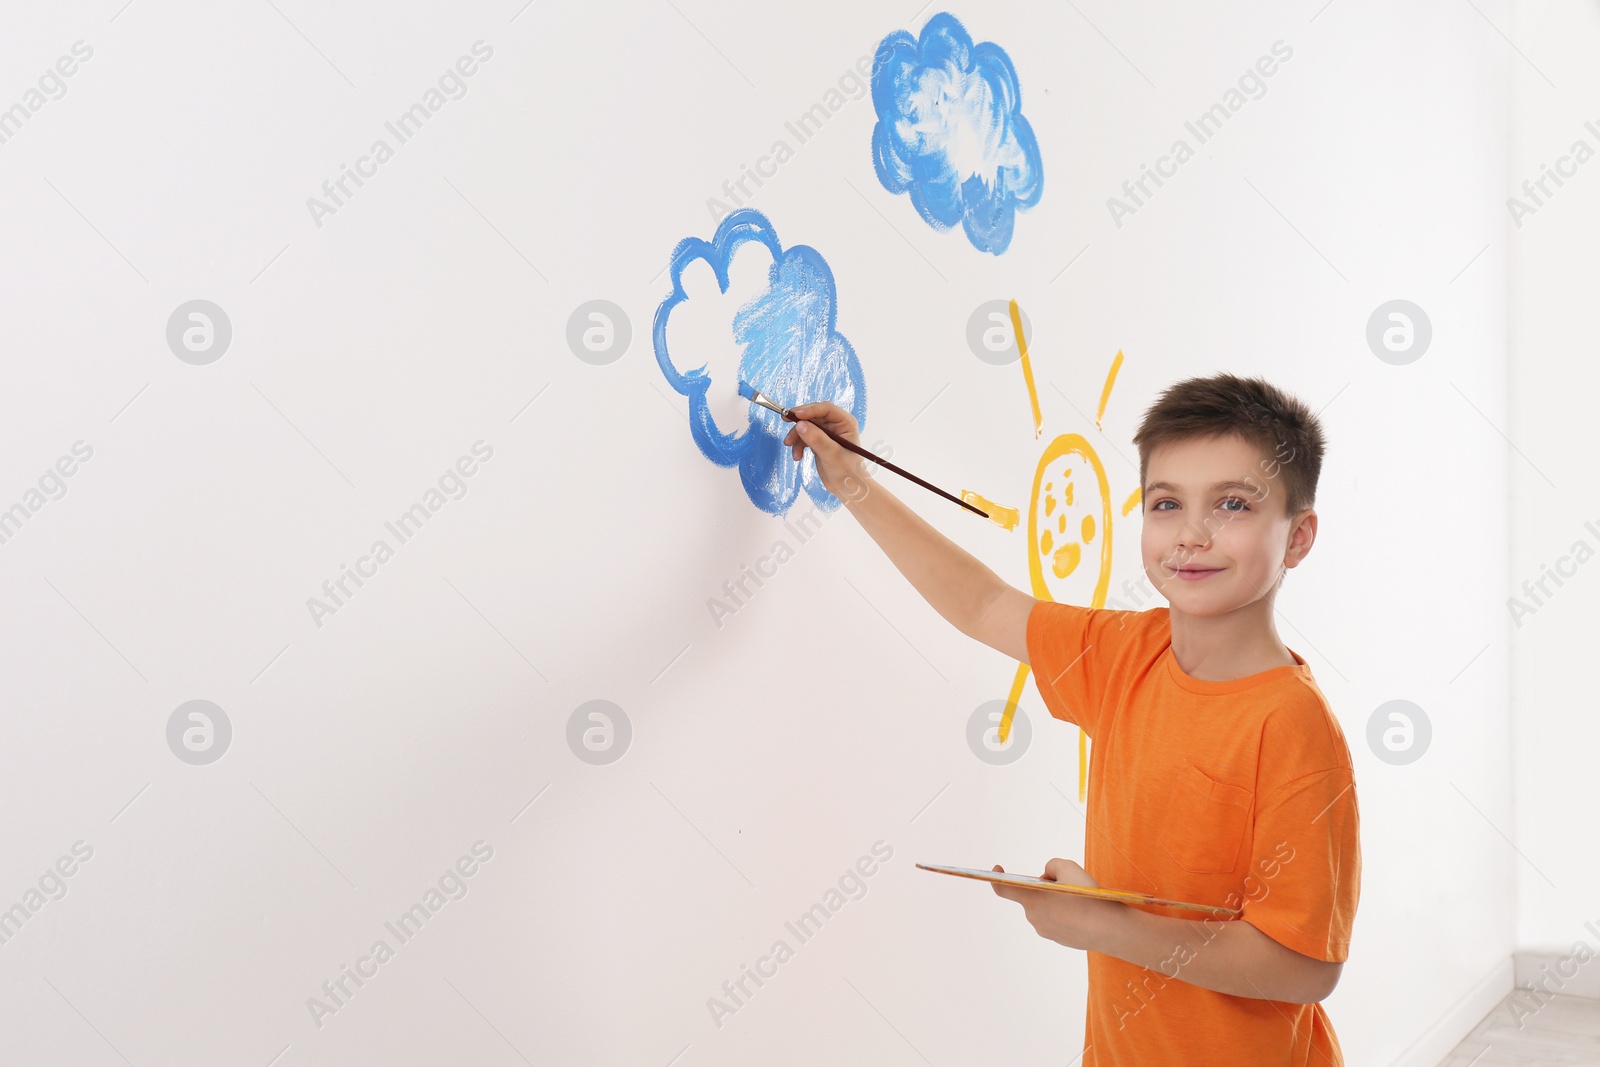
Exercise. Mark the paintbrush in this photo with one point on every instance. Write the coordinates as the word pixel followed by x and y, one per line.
pixel 756 396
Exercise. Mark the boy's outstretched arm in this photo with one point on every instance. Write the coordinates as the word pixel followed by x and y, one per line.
pixel 958 585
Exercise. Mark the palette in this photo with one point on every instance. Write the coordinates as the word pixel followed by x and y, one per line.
pixel 1119 895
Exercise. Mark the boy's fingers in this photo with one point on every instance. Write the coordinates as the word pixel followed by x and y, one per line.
pixel 824 412
pixel 812 435
pixel 817 423
pixel 815 409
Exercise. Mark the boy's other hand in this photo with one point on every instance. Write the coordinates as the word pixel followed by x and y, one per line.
pixel 836 464
pixel 1073 921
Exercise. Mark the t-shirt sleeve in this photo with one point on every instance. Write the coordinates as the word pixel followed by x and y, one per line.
pixel 1071 650
pixel 1305 874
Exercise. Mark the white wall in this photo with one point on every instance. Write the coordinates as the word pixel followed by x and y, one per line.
pixel 1552 385
pixel 370 753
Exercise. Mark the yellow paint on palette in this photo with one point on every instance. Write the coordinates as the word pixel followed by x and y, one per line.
pixel 1027 374
pixel 999 514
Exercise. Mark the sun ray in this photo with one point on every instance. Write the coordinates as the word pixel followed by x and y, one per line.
pixel 1027 368
pixel 1105 391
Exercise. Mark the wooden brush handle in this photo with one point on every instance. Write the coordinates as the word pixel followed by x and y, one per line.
pixel 858 450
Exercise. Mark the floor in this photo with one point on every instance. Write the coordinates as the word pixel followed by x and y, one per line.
pixel 1563 1032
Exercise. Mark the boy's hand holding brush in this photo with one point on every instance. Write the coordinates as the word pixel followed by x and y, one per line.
pixel 835 423
pixel 843 472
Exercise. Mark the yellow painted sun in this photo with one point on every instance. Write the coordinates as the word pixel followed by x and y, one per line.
pixel 1070 517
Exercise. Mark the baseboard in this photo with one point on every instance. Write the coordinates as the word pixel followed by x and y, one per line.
pixel 1441 1039
pixel 1558 972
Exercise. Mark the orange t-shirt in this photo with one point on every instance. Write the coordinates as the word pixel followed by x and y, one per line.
pixel 1238 793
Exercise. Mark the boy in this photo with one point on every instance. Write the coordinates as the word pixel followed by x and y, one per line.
pixel 1220 775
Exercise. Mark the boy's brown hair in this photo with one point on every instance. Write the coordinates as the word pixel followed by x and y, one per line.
pixel 1281 427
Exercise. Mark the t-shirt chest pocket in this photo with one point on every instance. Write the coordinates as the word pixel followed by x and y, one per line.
pixel 1205 822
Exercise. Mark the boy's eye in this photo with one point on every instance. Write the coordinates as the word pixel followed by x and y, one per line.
pixel 1243 506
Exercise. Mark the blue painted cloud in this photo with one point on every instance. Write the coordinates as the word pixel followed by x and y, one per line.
pixel 951 133
pixel 792 353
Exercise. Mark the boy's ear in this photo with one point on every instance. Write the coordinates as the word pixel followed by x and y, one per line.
pixel 1303 535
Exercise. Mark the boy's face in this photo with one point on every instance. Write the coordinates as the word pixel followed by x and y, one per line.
pixel 1240 533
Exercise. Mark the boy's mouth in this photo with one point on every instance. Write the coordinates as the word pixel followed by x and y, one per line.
pixel 1191 573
